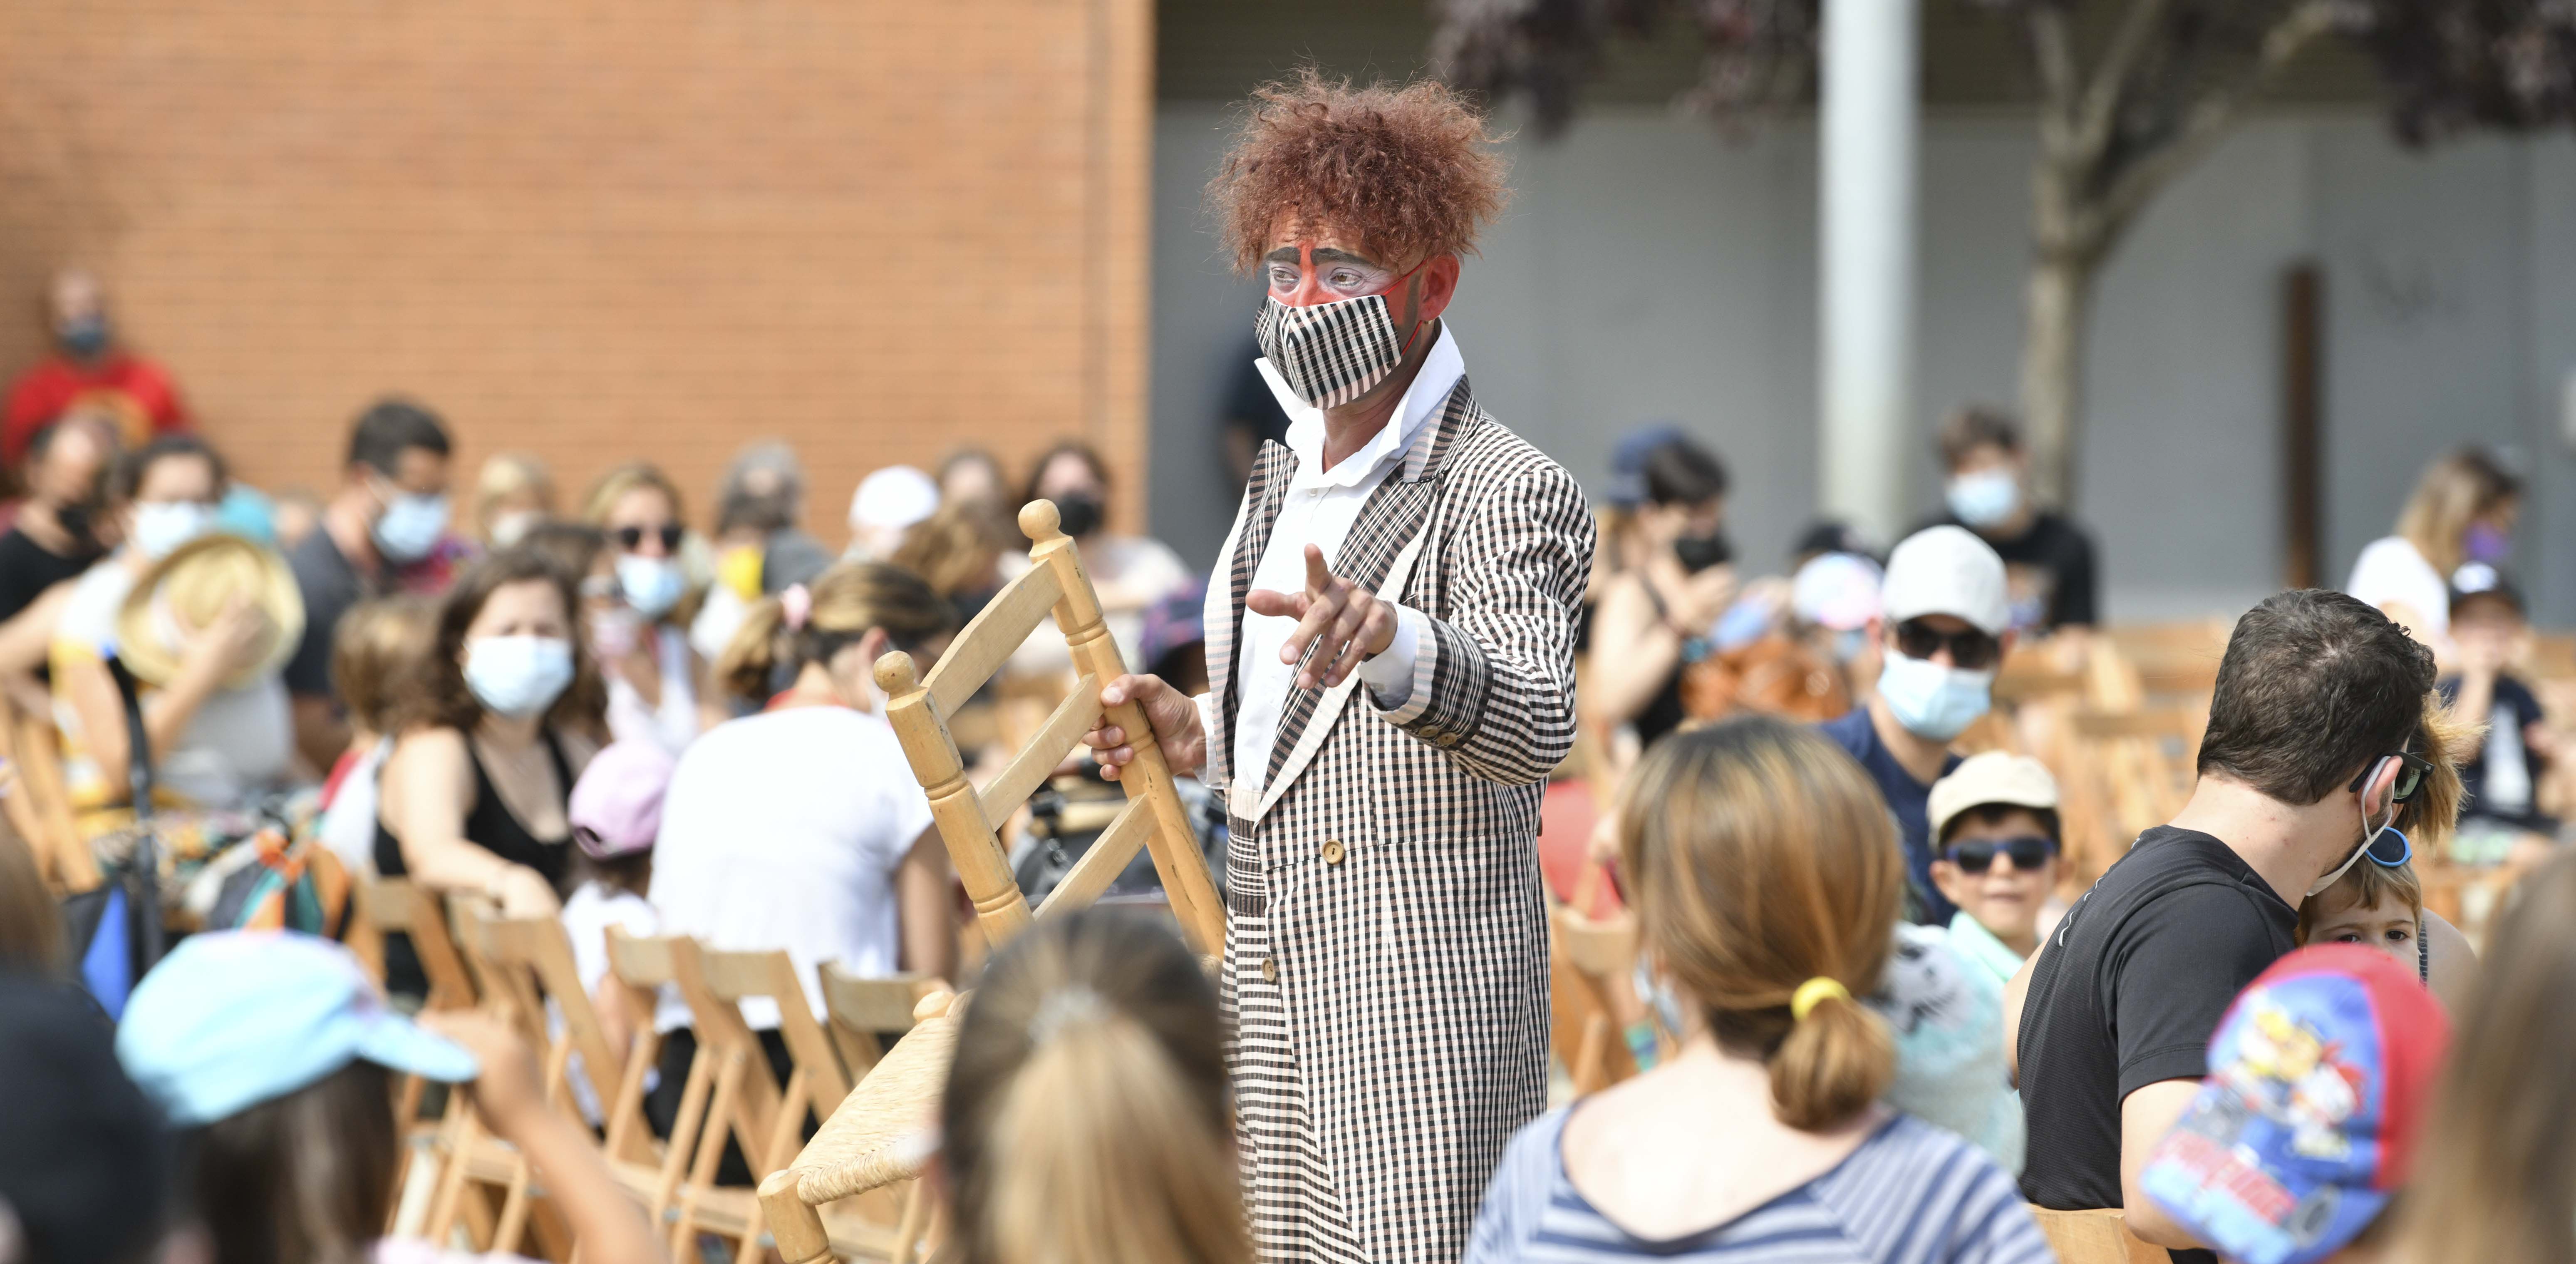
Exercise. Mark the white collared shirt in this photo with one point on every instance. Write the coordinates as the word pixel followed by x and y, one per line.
pixel 1320 508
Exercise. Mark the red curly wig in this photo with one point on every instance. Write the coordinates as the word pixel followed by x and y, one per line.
pixel 1411 170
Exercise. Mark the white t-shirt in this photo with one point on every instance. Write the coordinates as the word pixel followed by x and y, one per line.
pixel 2392 570
pixel 673 724
pixel 783 830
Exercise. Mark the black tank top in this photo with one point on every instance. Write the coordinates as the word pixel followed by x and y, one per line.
pixel 1664 712
pixel 490 826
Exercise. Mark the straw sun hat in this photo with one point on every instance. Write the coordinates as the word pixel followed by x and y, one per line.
pixel 189 589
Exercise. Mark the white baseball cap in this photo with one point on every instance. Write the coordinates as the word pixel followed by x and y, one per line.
pixel 893 498
pixel 1991 777
pixel 1946 570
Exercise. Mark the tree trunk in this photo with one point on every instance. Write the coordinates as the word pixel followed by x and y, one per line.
pixel 2056 306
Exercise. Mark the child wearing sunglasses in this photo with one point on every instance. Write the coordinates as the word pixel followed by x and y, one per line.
pixel 1995 826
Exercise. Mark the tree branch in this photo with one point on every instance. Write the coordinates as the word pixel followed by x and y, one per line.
pixel 2093 121
pixel 2206 124
pixel 2052 49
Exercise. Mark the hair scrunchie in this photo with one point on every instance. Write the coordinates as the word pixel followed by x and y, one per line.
pixel 796 605
pixel 1813 993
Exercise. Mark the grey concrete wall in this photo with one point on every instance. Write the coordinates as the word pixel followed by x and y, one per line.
pixel 1651 269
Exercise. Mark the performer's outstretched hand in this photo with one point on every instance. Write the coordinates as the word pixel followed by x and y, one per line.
pixel 1352 623
pixel 1175 719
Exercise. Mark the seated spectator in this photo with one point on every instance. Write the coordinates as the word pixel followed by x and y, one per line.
pixel 1767 883
pixel 886 505
pixel 616 813
pixel 1130 572
pixel 639 626
pixel 513 494
pixel 801 827
pixel 377 654
pixel 2495 1181
pixel 1086 1117
pixel 1833 596
pixel 55 533
pixel 2462 510
pixel 218 721
pixel 389 512
pixel 2500 816
pixel 1943 626
pixel 294 514
pixel 973 474
pixel 760 548
pixel 1657 617
pixel 85 1161
pixel 959 550
pixel 274 1057
pixel 2048 560
pixel 2320 1083
pixel 1995 819
pixel 2324 735
pixel 2379 906
pixel 90 371
pixel 491 738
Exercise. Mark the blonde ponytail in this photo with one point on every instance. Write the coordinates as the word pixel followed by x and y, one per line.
pixel 749 663
pixel 1768 878
pixel 834 611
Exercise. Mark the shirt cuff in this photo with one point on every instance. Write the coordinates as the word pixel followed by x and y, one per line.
pixel 1391 676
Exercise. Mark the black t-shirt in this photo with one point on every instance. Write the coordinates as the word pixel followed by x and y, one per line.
pixel 27 569
pixel 2504 760
pixel 2048 571
pixel 330 586
pixel 2128 992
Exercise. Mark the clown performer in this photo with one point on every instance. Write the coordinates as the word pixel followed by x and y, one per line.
pixel 1386 955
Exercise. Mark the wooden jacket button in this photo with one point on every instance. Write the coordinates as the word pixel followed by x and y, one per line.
pixel 1270 969
pixel 1332 851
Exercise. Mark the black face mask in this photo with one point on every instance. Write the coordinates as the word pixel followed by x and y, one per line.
pixel 1077 514
pixel 75 522
pixel 1699 552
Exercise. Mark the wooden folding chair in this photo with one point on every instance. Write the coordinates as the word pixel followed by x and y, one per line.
pixel 383 907
pixel 521 965
pixel 2095 1237
pixel 1597 957
pixel 876 1137
pixel 644 965
pixel 862 1010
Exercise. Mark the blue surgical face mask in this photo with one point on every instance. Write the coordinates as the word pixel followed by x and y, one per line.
pixel 410 526
pixel 518 676
pixel 651 585
pixel 161 526
pixel 2486 544
pixel 1984 499
pixel 85 337
pixel 1667 1005
pixel 1933 701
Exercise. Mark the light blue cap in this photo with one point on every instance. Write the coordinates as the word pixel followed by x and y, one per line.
pixel 236 1018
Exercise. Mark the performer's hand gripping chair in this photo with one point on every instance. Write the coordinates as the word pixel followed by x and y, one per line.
pixel 884 1131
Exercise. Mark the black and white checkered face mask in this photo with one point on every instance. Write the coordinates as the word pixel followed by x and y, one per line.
pixel 1330 353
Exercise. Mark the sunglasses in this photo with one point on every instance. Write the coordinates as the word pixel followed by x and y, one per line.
pixel 1971 650
pixel 1977 855
pixel 2411 771
pixel 632 538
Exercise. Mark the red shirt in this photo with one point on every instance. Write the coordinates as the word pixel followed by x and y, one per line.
pixel 137 391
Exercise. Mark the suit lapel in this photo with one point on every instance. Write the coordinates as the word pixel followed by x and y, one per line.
pixel 1262 496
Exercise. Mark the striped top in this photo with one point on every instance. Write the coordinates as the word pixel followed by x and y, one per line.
pixel 1911 1194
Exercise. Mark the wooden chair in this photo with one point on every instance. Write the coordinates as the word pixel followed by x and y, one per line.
pixel 878 1136
pixel 644 965
pixel 2095 1237
pixel 380 908
pixel 1592 966
pixel 861 1011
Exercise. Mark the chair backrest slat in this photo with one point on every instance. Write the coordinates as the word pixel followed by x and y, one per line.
pixel 990 638
pixel 1043 755
pixel 737 976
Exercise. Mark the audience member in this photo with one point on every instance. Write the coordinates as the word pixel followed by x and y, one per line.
pixel 1767 883
pixel 1130 572
pixel 886 505
pixel 213 704
pixel 274 1056
pixel 294 515
pixel 1087 1118
pixel 1997 842
pixel 973 474
pixel 1943 626
pixel 616 813
pixel 389 512
pixel 513 494
pixel 89 371
pixel 32 940
pixel 801 827
pixel 2048 560
pixel 492 736
pixel 85 1161
pixel 759 546
pixel 2463 510
pixel 2324 735
pixel 2499 809
pixel 55 533
pixel 2379 906
pixel 2306 1130
pixel 2496 1181
pixel 1655 618
pixel 378 653
pixel 638 628
pixel 959 549
pixel 1833 596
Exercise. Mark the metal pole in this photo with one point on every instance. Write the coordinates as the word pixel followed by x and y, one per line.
pixel 1868 135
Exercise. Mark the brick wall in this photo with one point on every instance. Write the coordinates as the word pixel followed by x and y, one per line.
pixel 601 229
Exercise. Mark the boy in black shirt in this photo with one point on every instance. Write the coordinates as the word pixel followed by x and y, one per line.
pixel 2324 733
pixel 1986 488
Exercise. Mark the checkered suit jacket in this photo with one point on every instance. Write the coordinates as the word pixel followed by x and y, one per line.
pixel 1406 961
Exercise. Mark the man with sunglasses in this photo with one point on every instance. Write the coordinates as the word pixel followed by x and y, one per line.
pixel 390 512
pixel 1944 624
pixel 2325 739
